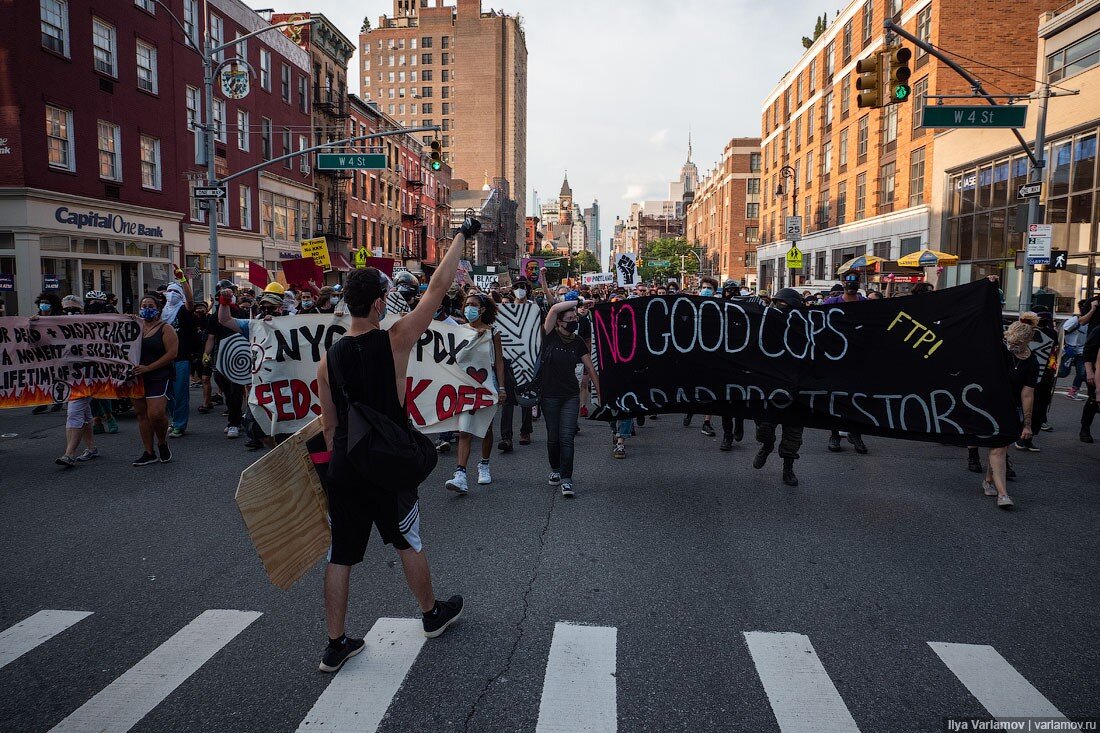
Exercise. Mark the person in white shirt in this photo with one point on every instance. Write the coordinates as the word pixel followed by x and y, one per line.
pixel 1076 329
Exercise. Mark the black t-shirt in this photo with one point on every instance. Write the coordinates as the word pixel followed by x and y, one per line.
pixel 585 329
pixel 187 332
pixel 559 365
pixel 1021 373
pixel 1092 343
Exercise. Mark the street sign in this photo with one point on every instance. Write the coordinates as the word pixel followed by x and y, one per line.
pixel 553 263
pixel 794 258
pixel 1030 191
pixel 1038 243
pixel 344 161
pixel 209 192
pixel 794 228
pixel 658 263
pixel 942 115
pixel 1058 259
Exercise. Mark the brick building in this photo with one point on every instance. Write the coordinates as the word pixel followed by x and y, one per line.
pixel 98 197
pixel 465 70
pixel 724 212
pixel 862 175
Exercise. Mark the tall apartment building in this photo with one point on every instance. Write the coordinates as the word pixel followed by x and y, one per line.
pixel 465 70
pixel 862 175
pixel 592 227
pixel 724 215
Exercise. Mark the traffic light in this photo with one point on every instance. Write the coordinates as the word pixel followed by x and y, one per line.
pixel 437 158
pixel 897 84
pixel 869 82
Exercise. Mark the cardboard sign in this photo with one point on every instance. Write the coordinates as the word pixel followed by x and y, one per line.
pixel 301 271
pixel 531 267
pixel 257 275
pixel 626 269
pixel 318 250
pixel 598 278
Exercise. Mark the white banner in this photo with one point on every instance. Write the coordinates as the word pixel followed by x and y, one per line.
pixel 449 385
pixel 597 278
pixel 520 329
pixel 626 269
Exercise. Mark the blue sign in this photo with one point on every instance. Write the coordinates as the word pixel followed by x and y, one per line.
pixel 50 283
pixel 7 282
pixel 110 222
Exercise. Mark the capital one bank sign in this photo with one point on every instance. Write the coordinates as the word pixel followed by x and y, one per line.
pixel 110 222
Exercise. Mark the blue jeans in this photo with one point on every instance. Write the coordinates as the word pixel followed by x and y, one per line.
pixel 1079 373
pixel 561 415
pixel 181 395
pixel 623 427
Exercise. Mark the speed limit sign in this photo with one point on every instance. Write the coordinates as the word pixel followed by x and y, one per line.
pixel 794 228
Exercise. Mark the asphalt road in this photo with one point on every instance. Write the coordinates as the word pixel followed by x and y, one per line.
pixel 675 552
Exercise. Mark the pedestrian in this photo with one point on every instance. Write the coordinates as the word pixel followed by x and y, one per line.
pixel 220 327
pixel 48 304
pixel 1023 376
pixel 78 418
pixel 103 411
pixel 791 441
pixel 177 313
pixel 521 290
pixel 562 350
pixel 480 312
pixel 158 352
pixel 1090 352
pixel 849 294
pixel 369 365
pixel 1042 321
pixel 1075 330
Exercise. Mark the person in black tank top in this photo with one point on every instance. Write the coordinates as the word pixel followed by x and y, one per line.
pixel 371 365
pixel 158 351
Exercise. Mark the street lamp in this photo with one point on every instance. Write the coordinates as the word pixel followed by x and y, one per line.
pixel 787 172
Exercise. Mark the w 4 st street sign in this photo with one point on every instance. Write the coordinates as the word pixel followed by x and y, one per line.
pixel 346 161
pixel 946 116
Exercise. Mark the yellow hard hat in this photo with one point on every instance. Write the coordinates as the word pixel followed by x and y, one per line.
pixel 274 287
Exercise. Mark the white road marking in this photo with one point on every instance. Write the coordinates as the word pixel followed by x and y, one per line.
pixel 360 693
pixel 994 682
pixel 802 695
pixel 35 630
pixel 124 702
pixel 578 692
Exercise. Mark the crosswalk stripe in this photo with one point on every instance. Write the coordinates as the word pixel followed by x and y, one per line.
pixel 578 692
pixel 357 698
pixel 801 693
pixel 994 682
pixel 35 630
pixel 120 705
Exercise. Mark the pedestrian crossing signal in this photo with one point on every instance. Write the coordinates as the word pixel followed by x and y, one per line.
pixel 437 158
pixel 899 73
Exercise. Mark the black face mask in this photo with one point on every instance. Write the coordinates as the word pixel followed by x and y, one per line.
pixel 571 326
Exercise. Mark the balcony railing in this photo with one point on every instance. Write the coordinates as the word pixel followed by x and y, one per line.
pixel 329 100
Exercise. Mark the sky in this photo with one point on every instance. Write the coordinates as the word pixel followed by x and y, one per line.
pixel 612 93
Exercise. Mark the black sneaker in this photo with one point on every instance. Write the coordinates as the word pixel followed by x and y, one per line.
pixel 505 446
pixel 762 456
pixel 708 429
pixel 738 431
pixel 687 421
pixel 834 443
pixel 1085 435
pixel 727 442
pixel 335 656
pixel 567 488
pixel 145 459
pixel 857 441
pixel 40 409
pixel 974 464
pixel 641 421
pixel 443 615
pixel 165 453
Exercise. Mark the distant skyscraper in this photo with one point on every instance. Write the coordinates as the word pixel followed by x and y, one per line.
pixel 592 221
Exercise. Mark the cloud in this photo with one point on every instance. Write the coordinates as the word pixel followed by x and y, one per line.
pixel 633 192
pixel 659 137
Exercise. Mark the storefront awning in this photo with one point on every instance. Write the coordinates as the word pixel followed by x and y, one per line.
pixel 340 262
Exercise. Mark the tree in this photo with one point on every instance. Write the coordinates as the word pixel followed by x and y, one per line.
pixel 668 249
pixel 584 261
pixel 819 27
pixel 366 25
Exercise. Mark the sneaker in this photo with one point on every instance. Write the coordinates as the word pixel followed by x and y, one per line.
pixel 98 429
pixel 687 421
pixel 584 411
pixel 1004 502
pixel 1085 435
pixel 1020 445
pixel 335 656
pixel 858 443
pixel 1046 428
pixel 505 445
pixel 1071 394
pixel 217 399
pixel 175 432
pixel 253 444
pixel 145 459
pixel 727 442
pixel 640 421
pixel 457 483
pixel 165 453
pixel 1030 446
pixel 484 478
pixel 762 456
pixel 88 454
pixel 442 616
pixel 66 461
pixel 40 409
pixel 203 409
pixel 442 446
pixel 112 424
pixel 555 478
pixel 619 451
pixel 708 429
pixel 974 464
pixel 834 443
pixel 525 439
pixel 988 488
pixel 567 488
pixel 196 385
pixel 738 431
pixel 232 432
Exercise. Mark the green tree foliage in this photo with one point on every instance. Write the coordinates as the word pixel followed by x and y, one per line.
pixel 366 24
pixel 819 27
pixel 670 249
pixel 584 261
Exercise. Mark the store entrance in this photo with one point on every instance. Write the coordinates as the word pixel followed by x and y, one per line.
pixel 102 276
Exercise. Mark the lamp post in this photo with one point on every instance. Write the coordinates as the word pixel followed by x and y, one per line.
pixel 787 172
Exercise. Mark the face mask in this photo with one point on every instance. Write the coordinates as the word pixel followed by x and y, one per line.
pixel 571 326
pixel 706 292
pixel 43 307
pixel 520 293
pixel 471 312
pixel 148 314
pixel 72 311
pixel 307 304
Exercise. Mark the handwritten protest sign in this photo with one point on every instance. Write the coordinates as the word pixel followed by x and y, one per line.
pixel 448 372
pixel 318 250
pixel 598 278
pixel 55 359
pixel 921 368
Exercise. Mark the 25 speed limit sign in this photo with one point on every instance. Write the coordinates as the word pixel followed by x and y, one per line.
pixel 794 228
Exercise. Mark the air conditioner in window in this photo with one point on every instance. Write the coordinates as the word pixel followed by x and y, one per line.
pixel 400 169
pixel 415 94
pixel 366 97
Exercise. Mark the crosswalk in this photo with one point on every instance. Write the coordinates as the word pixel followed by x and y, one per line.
pixel 579 691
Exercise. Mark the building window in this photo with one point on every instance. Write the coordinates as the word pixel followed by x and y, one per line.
pixel 219 120
pixel 846 47
pixel 55 25
pixel 303 94
pixel 446 59
pixel 265 69
pixel 265 138
pixel 217 35
pixel 920 99
pixel 190 21
pixel 861 196
pixel 893 8
pixel 445 92
pixel 752 211
pixel 150 162
pixel 890 127
pixel 446 108
pixel 446 75
pixel 827 110
pixel 303 160
pixel 104 47
pixel 924 29
pixel 809 169
pixel 827 158
pixel 59 138
pixel 426 42
pixel 445 42
pixel 830 59
pixel 887 175
pixel 754 162
pixel 284 83
pixel 246 207
pixel 147 67
pixel 425 59
pixel 194 108
pixel 843 152
pixel 752 235
pixel 823 209
pixel 288 163
pixel 242 130
pixel 868 21
pixel 841 202
pixel 916 177
pixel 241 47
pixel 1074 59
pixel 752 186
pixel 426 75
pixel 810 123
pixel 861 140
pixel 425 91
pixel 110 151
pixel 147 5
pixel 198 208
pixel 811 83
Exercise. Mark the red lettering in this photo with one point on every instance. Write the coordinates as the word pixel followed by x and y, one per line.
pixel 301 398
pixel 315 405
pixel 283 399
pixel 446 402
pixel 263 397
pixel 411 393
pixel 466 398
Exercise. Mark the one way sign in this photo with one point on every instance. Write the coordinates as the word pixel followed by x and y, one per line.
pixel 1029 191
pixel 209 192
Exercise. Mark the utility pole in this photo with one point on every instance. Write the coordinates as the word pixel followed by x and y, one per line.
pixel 1035 176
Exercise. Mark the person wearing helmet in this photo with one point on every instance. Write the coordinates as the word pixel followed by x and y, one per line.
pixel 784 300
pixel 846 293
pixel 408 287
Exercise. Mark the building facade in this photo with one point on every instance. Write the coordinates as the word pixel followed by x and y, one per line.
pixel 464 69
pixel 592 227
pixel 861 176
pixel 976 176
pixel 723 216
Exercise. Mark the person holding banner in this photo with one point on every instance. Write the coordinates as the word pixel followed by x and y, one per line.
pixel 1023 375
pixel 78 418
pixel 376 378
pixel 159 344
pixel 791 441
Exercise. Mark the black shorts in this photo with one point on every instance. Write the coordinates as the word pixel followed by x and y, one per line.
pixel 354 505
pixel 156 387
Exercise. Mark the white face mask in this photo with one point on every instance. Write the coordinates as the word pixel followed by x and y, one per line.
pixel 520 293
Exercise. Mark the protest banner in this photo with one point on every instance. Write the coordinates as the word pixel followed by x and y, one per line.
pixel 530 267
pixel 318 250
pixel 626 269
pixel 60 358
pixel 449 373
pixel 922 368
pixel 520 329
pixel 485 280
pixel 257 275
pixel 592 279
pixel 301 271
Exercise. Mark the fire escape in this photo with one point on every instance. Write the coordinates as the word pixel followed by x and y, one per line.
pixel 415 218
pixel 332 216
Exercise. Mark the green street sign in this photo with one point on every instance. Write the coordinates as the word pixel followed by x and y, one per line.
pixel 947 116
pixel 553 263
pixel 658 263
pixel 345 161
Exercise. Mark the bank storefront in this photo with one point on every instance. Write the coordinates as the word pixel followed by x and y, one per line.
pixel 69 245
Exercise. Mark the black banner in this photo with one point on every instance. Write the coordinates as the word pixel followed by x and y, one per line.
pixel 926 367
